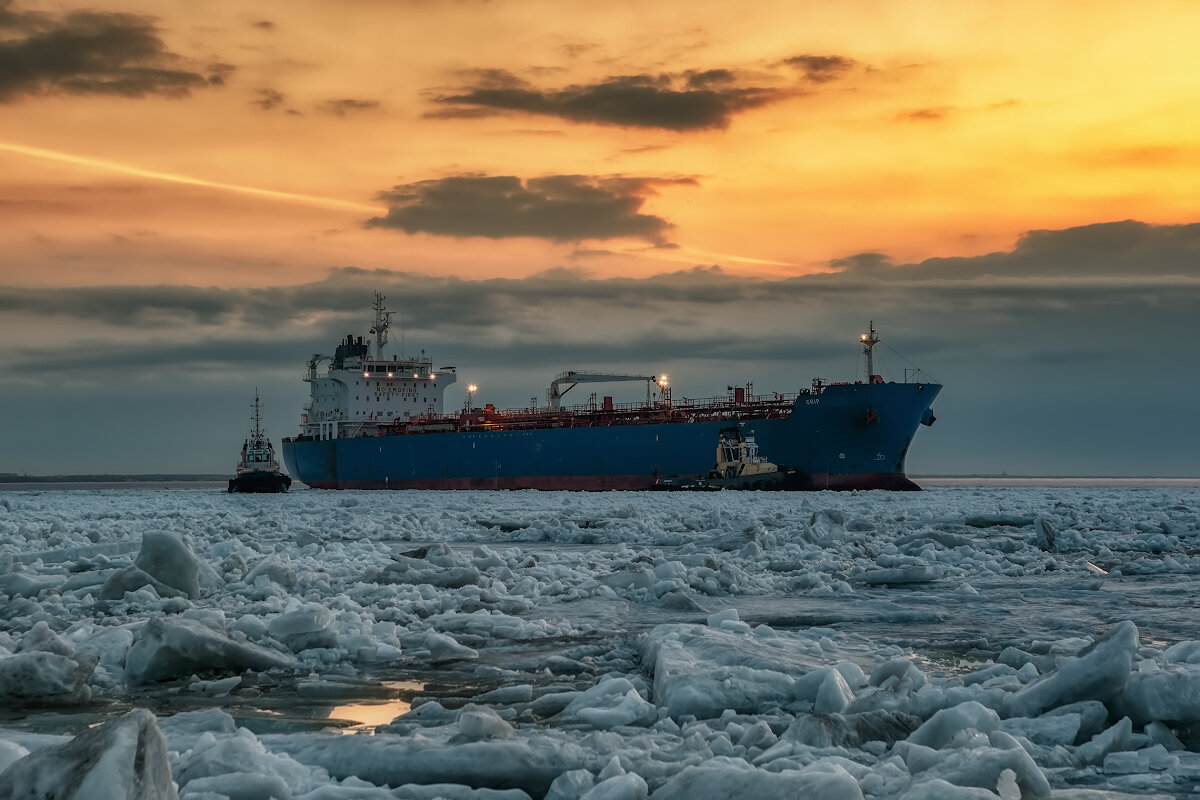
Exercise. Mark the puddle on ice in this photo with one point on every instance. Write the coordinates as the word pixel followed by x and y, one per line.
pixel 350 707
pixel 367 714
pixel 353 708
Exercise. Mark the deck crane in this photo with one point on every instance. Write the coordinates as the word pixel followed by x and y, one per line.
pixel 573 377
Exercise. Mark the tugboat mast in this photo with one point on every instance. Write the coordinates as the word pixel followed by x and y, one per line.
pixel 257 468
pixel 258 435
pixel 383 319
pixel 869 340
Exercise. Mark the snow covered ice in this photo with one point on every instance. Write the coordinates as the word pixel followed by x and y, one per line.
pixel 961 642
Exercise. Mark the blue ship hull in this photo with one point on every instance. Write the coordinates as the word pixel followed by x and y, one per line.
pixel 850 436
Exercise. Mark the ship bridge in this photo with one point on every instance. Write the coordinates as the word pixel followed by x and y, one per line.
pixel 365 390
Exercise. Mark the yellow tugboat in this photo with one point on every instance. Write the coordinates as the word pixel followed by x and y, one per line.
pixel 258 468
pixel 738 466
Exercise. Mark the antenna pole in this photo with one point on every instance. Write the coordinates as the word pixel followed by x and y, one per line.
pixel 257 417
pixel 383 319
pixel 869 340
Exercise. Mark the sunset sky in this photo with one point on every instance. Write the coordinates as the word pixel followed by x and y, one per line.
pixel 196 197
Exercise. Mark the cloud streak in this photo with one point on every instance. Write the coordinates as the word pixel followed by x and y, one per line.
pixel 172 177
pixel 344 106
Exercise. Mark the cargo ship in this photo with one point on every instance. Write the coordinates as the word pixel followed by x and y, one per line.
pixel 375 421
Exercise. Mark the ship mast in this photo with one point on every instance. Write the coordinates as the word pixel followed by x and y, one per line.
pixel 257 418
pixel 382 321
pixel 869 340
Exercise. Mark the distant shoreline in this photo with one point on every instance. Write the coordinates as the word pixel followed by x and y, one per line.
pixel 9 477
pixel 1054 481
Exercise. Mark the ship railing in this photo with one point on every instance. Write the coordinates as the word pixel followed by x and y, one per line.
pixel 687 403
pixel 584 416
pixel 749 399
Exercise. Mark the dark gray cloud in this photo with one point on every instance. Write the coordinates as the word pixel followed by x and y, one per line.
pixel 709 78
pixel 1104 266
pixel 99 359
pixel 453 307
pixel 86 52
pixel 1012 322
pixel 347 105
pixel 821 69
pixel 144 307
pixel 564 208
pixel 218 72
pixel 1108 249
pixel 923 115
pixel 267 99
pixel 866 263
pixel 692 100
pixel 633 101
pixel 460 113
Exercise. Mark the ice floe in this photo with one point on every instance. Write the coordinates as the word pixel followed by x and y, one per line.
pixel 122 759
pixel 956 643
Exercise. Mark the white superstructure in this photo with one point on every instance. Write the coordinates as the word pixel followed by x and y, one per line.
pixel 363 391
pixel 258 454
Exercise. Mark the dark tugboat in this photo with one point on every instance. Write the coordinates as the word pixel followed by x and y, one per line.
pixel 739 466
pixel 258 468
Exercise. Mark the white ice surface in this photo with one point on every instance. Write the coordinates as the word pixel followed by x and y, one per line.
pixel 953 643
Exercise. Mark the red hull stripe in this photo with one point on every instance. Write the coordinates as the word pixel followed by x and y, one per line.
pixel 598 483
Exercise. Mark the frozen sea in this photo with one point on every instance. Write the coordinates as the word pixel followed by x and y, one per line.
pixel 1014 641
